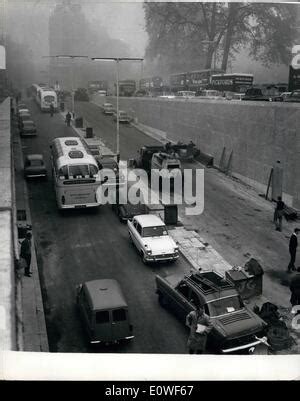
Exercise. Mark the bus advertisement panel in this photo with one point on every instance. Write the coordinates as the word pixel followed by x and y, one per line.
pixel 238 83
pixel 294 79
pixel 75 173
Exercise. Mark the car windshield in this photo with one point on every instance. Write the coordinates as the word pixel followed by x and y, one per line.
pixel 28 123
pixel 156 231
pixel 223 306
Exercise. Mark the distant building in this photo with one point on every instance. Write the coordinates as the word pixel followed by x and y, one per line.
pixel 67 36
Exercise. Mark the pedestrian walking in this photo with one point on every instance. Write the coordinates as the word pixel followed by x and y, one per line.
pixel 295 289
pixel 51 109
pixel 68 118
pixel 26 252
pixel 293 244
pixel 278 213
pixel 200 326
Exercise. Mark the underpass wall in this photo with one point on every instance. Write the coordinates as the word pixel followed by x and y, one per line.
pixel 254 135
pixel 7 238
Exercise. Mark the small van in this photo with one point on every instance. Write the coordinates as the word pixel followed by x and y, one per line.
pixel 104 311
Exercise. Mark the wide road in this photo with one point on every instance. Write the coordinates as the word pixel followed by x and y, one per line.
pixel 236 221
pixel 83 245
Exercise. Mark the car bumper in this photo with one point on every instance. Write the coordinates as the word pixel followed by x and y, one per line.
pixel 160 258
pixel 243 347
pixel 30 175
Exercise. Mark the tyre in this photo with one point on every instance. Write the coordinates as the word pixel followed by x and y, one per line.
pixel 144 258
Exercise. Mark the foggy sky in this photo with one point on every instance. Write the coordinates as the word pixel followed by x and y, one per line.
pixel 27 22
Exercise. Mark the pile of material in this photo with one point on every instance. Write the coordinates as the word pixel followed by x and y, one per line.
pixel 277 331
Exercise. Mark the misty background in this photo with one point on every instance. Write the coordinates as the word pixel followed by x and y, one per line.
pixel 106 29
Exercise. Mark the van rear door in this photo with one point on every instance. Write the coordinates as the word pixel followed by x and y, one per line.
pixel 103 331
pixel 120 324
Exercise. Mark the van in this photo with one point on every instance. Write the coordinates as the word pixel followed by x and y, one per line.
pixel 104 311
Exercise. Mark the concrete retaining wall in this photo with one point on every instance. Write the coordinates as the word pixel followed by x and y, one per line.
pixel 255 133
pixel 7 211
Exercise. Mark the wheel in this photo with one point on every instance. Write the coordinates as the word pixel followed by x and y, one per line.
pixel 144 258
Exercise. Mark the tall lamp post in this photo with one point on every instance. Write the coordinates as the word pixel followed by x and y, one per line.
pixel 72 57
pixel 117 60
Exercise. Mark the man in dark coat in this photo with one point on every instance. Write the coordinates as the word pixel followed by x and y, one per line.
pixel 68 118
pixel 26 253
pixel 200 326
pixel 295 289
pixel 293 249
pixel 51 109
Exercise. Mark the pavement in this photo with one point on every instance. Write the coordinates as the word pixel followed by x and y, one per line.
pixel 31 319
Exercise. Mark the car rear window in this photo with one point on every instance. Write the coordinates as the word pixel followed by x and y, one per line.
pixel 102 317
pixel 36 162
pixel 119 315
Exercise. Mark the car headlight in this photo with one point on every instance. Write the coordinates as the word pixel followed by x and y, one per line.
pixel 176 249
pixel 149 252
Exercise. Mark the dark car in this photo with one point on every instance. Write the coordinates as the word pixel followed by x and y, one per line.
pixel 128 211
pixel 108 167
pixel 28 128
pixel 258 94
pixel 23 117
pixel 294 97
pixel 236 329
pixel 81 95
pixel 34 166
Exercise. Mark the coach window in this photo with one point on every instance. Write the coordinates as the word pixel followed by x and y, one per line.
pixel 63 173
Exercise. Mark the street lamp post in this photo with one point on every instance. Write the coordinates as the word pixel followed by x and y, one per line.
pixel 72 57
pixel 117 60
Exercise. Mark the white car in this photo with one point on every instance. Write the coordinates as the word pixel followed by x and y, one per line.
pixel 150 236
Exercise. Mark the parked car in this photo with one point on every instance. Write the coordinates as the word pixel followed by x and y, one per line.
pixel 236 329
pixel 108 108
pixel 22 118
pixel 151 238
pixel 127 211
pixel 108 167
pixel 237 96
pixel 211 94
pixel 104 311
pixel 186 94
pixel 285 95
pixel 21 106
pixel 123 117
pixel 34 166
pixel 27 128
pixel 294 97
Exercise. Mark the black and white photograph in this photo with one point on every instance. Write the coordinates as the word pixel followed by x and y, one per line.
pixel 149 192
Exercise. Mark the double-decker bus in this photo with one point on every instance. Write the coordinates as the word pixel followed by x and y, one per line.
pixel 195 81
pixel 75 173
pixel 127 87
pixel 294 79
pixel 236 82
pixel 151 85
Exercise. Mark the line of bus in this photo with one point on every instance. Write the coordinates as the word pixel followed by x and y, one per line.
pixel 75 173
pixel 236 82
pixel 44 97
